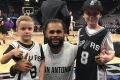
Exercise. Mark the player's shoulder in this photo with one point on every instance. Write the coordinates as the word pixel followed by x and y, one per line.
pixel 104 30
pixel 68 45
pixel 36 43
pixel 61 2
pixel 14 43
pixel 71 48
pixel 45 47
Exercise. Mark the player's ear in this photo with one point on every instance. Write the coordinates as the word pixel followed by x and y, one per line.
pixel 16 28
pixel 45 33
pixel 34 27
pixel 100 15
pixel 83 15
pixel 64 35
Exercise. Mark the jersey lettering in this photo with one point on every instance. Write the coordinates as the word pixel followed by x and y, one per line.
pixel 58 69
pixel 34 57
pixel 94 46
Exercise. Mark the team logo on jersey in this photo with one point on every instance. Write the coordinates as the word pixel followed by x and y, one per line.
pixel 34 57
pixel 87 43
pixel 81 43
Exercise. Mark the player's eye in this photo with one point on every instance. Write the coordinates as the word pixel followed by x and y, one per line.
pixel 57 31
pixel 30 28
pixel 23 28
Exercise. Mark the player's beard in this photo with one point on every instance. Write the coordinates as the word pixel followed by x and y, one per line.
pixel 55 45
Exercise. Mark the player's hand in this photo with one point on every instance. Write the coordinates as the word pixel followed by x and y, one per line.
pixel 17 52
pixel 23 65
pixel 102 58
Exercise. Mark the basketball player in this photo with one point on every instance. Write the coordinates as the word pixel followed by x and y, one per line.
pixel 60 55
pixel 33 67
pixel 95 47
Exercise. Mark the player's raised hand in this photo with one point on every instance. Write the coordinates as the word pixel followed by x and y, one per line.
pixel 17 52
pixel 25 57
pixel 102 52
pixel 102 57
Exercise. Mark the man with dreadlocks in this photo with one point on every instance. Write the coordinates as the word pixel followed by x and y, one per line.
pixel 95 47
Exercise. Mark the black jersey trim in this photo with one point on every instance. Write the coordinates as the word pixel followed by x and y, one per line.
pixel 28 48
pixel 42 53
pixel 23 46
pixel 13 45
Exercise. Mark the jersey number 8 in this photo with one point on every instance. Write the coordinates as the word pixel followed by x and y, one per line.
pixel 33 72
pixel 84 57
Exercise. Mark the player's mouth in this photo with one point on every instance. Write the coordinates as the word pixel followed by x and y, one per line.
pixel 55 41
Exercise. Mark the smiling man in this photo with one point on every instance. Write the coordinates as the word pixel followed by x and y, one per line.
pixel 60 55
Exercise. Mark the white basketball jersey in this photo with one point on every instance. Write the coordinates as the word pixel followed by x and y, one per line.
pixel 60 66
pixel 34 56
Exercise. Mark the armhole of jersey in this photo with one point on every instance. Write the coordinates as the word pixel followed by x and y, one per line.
pixel 41 51
pixel 105 38
pixel 78 34
pixel 13 44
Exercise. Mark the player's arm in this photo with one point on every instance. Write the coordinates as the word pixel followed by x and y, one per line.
pixel 20 66
pixel 107 51
pixel 42 69
pixel 42 65
pixel 13 71
pixel 105 56
pixel 10 53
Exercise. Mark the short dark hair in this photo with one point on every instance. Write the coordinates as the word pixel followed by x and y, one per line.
pixel 55 20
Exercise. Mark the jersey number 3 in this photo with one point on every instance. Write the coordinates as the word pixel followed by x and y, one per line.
pixel 84 57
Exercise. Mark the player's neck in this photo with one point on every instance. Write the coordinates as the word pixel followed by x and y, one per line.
pixel 26 41
pixel 94 26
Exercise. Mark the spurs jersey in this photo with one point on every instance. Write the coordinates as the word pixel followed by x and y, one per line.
pixel 60 66
pixel 34 56
pixel 89 46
